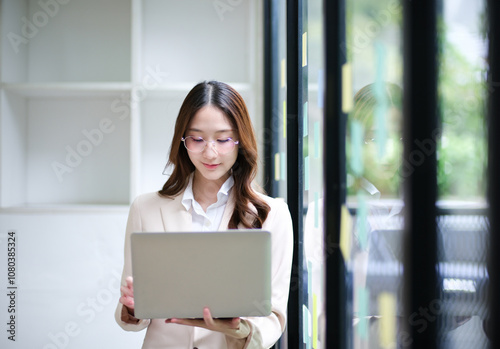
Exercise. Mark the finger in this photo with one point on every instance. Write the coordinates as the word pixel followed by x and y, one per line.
pixel 127 301
pixel 126 291
pixel 130 283
pixel 188 322
pixel 219 324
pixel 207 317
pixel 235 323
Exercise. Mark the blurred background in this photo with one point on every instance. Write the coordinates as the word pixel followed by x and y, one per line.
pixel 89 94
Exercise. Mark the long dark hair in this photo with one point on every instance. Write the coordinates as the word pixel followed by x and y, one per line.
pixel 229 101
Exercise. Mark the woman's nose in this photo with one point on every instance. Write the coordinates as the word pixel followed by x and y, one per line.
pixel 210 151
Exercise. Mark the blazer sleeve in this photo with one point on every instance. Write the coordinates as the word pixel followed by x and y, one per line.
pixel 134 224
pixel 265 331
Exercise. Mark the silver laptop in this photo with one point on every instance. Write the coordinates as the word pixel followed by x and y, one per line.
pixel 178 274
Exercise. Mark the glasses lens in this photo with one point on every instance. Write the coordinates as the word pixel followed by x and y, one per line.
pixel 224 146
pixel 195 144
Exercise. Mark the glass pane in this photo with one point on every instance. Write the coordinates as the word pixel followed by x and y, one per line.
pixel 313 234
pixel 462 154
pixel 275 135
pixel 372 81
pixel 278 124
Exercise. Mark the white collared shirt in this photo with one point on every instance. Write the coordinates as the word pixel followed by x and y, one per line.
pixel 210 220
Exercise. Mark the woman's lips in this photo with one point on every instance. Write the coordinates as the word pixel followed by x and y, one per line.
pixel 211 166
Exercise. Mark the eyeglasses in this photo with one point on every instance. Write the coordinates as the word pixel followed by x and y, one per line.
pixel 198 144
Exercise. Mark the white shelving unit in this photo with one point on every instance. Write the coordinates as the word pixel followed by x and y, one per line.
pixel 90 90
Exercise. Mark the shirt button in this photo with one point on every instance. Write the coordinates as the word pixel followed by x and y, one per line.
pixel 207 224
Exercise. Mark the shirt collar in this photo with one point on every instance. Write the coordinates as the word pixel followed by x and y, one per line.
pixel 222 195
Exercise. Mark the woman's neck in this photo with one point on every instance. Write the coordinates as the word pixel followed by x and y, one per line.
pixel 205 191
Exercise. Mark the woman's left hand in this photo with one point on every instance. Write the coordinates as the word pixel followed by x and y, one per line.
pixel 234 327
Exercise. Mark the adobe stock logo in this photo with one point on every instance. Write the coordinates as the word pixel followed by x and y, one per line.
pixel 222 7
pixel 31 27
pixel 87 311
pixel 425 148
pixel 364 35
pixel 93 138
pixel 84 148
pixel 420 321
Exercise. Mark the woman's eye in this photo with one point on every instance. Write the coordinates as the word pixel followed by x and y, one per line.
pixel 198 140
pixel 223 140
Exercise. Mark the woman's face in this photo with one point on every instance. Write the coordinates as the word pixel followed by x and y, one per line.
pixel 211 124
pixel 383 171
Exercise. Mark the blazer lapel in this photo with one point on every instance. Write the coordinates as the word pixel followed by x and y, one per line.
pixel 174 215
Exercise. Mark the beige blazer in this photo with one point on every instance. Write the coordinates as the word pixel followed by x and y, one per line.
pixel 152 213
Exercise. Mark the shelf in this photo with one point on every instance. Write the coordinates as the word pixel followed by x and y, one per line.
pixel 56 89
pixel 222 50
pixel 61 89
pixel 187 86
pixel 69 150
pixel 65 41
pixel 89 98
pixel 51 209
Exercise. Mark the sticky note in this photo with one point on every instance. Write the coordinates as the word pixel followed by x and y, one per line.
pixel 284 119
pixel 387 308
pixel 283 165
pixel 315 322
pixel 347 97
pixel 305 147
pixel 361 219
pixel 306 326
pixel 356 159
pixel 304 49
pixel 306 173
pixel 382 104
pixel 362 300
pixel 305 124
pixel 283 72
pixel 277 166
pixel 317 138
pixel 345 232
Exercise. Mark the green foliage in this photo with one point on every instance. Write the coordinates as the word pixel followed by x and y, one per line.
pixel 462 150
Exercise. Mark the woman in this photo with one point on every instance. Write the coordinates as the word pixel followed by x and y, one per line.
pixel 210 188
pixel 380 171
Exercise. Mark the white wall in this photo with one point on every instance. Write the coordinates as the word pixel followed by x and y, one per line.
pixel 67 78
pixel 67 275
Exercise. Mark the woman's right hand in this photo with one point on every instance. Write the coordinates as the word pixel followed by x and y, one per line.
pixel 127 299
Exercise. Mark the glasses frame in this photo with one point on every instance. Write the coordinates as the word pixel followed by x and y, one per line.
pixel 183 139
